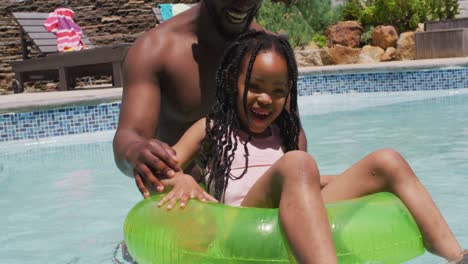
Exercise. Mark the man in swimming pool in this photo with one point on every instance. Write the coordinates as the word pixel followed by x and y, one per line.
pixel 170 84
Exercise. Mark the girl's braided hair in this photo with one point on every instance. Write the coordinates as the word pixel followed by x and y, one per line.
pixel 223 123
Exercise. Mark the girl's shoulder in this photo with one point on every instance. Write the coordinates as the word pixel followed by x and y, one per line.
pixel 202 123
pixel 195 132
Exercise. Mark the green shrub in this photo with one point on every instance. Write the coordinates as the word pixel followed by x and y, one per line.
pixel 300 20
pixel 320 13
pixel 280 18
pixel 440 9
pixel 352 9
pixel 366 37
pixel 404 15
pixel 320 40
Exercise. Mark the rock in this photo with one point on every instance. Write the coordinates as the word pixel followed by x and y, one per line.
pixel 110 19
pixel 389 55
pixel 347 33
pixel 5 69
pixel 49 87
pixel 406 47
pixel 311 46
pixel 4 83
pixel 370 54
pixel 420 27
pixel 384 36
pixel 308 58
pixel 3 91
pixel 339 55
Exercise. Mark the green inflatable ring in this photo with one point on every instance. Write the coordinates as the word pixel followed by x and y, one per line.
pixel 373 229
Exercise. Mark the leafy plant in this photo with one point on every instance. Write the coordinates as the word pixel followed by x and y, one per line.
pixel 320 40
pixel 301 19
pixel 281 18
pixel 352 9
pixel 366 37
pixel 440 9
pixel 320 13
pixel 402 14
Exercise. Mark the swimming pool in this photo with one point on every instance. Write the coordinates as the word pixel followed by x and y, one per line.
pixel 64 201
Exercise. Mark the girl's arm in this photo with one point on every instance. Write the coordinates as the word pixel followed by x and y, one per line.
pixel 183 186
pixel 189 144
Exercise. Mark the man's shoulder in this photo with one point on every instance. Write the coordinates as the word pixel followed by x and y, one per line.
pixel 181 25
pixel 159 35
pixel 159 42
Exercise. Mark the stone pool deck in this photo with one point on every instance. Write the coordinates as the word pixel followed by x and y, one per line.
pixel 34 101
pixel 409 65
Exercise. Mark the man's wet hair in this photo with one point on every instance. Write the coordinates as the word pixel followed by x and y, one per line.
pixel 223 122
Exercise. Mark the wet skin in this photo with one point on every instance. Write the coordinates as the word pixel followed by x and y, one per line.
pixel 170 84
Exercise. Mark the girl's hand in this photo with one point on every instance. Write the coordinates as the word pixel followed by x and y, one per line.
pixel 184 187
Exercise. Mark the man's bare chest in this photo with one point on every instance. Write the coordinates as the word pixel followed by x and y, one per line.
pixel 189 88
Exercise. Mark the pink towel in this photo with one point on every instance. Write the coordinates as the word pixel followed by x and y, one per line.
pixel 60 22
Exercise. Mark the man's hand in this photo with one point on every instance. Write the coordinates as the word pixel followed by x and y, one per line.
pixel 184 187
pixel 152 160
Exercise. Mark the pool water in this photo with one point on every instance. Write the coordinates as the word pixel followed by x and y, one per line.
pixel 432 134
pixel 62 204
pixel 63 200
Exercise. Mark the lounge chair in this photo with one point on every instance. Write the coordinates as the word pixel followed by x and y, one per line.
pixel 158 14
pixel 65 66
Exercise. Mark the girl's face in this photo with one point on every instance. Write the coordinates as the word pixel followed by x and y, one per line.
pixel 268 88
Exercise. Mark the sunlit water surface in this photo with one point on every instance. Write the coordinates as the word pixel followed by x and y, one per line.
pixel 64 201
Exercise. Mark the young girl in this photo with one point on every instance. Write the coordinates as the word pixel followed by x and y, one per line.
pixel 248 144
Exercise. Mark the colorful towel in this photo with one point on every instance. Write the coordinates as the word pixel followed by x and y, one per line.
pixel 166 11
pixel 60 22
pixel 170 10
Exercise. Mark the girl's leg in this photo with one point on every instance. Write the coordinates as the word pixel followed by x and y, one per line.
pixel 387 170
pixel 293 185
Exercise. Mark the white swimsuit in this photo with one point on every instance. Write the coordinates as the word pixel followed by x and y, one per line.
pixel 263 152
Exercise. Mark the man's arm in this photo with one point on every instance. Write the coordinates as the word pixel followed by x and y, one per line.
pixel 136 152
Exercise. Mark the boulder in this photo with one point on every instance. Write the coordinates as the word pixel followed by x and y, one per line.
pixel 384 36
pixel 306 58
pixel 347 33
pixel 420 27
pixel 389 55
pixel 309 46
pixel 405 49
pixel 339 55
pixel 370 54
